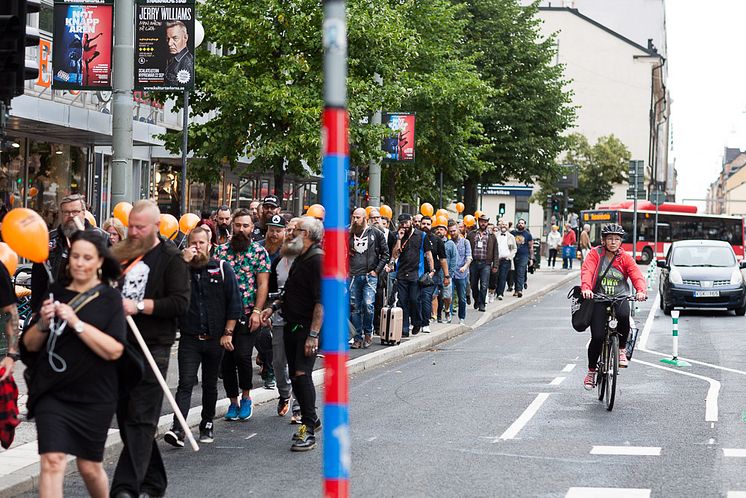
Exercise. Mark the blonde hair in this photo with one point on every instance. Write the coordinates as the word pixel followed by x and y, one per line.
pixel 116 224
pixel 147 205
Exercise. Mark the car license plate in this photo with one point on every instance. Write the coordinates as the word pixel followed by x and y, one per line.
pixel 711 293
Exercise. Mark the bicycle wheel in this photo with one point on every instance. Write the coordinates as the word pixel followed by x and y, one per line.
pixel 611 372
pixel 601 372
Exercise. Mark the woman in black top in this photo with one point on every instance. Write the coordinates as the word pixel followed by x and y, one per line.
pixel 73 378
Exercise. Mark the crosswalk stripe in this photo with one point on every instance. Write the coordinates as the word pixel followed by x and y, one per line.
pixel 607 493
pixel 736 494
pixel 626 450
pixel 734 452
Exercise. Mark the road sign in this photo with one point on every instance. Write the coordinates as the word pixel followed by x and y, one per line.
pixel 569 177
pixel 657 197
pixel 641 194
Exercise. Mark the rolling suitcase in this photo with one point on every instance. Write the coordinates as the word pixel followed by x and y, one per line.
pixel 392 319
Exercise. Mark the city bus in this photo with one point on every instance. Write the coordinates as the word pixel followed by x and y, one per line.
pixel 675 222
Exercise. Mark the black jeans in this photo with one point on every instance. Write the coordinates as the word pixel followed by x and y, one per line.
pixel 409 298
pixel 237 367
pixel 552 258
pixel 303 388
pixel 140 467
pixel 598 329
pixel 479 275
pixel 192 353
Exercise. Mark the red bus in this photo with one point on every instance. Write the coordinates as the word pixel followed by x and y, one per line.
pixel 675 222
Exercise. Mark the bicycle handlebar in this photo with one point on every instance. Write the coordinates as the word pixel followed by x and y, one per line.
pixel 604 298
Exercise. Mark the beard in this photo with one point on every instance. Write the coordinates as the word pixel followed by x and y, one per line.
pixel 292 247
pixel 357 229
pixel 223 230
pixel 240 242
pixel 69 228
pixel 199 260
pixel 131 248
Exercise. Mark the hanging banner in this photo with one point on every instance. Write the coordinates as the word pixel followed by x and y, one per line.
pixel 164 45
pixel 400 145
pixel 82 46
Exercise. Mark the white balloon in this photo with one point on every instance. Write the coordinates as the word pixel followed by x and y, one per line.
pixel 199 33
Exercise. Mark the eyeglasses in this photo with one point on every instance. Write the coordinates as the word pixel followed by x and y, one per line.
pixel 295 230
pixel 75 212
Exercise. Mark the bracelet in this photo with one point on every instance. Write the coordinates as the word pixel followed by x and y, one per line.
pixel 256 310
pixel 314 334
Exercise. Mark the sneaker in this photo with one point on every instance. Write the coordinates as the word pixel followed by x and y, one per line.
pixel 246 410
pixel 205 433
pixel 295 417
pixel 232 413
pixel 519 294
pixel 367 341
pixel 316 428
pixel 500 297
pixel 416 330
pixel 426 329
pixel 461 321
pixel 590 380
pixel 283 407
pixel 623 361
pixel 270 382
pixel 449 317
pixel 174 437
pixel 482 309
pixel 304 440
pixel 357 344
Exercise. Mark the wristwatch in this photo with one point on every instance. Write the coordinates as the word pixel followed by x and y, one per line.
pixel 140 306
pixel 314 334
pixel 79 327
pixel 14 356
pixel 228 332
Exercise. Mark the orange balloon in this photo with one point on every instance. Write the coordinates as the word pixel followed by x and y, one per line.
pixel 316 211
pixel 459 207
pixel 442 212
pixel 122 212
pixel 90 218
pixel 33 191
pixel 27 234
pixel 386 211
pixel 441 221
pixel 426 209
pixel 187 222
pixel 367 211
pixel 477 214
pixel 9 258
pixel 169 226
pixel 469 220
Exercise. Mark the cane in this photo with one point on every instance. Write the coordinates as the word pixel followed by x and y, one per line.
pixel 162 382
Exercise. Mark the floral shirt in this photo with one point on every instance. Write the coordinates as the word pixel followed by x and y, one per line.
pixel 246 266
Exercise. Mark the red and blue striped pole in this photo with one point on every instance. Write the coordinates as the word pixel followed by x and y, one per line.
pixel 334 333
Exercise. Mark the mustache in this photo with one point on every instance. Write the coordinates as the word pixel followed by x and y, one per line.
pixel 130 248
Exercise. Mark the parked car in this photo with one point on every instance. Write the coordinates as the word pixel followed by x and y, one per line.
pixel 702 274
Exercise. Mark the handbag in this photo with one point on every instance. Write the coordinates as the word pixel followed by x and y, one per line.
pixel 581 309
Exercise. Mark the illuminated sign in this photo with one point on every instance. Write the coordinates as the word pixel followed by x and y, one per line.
pixel 599 216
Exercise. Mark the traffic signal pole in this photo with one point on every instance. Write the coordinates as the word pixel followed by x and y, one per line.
pixel 121 106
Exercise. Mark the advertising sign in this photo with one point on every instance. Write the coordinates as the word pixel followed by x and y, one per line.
pixel 82 48
pixel 164 45
pixel 400 145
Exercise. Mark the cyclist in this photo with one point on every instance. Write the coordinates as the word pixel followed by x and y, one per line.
pixel 614 284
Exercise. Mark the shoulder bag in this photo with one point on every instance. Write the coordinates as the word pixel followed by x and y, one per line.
pixel 582 309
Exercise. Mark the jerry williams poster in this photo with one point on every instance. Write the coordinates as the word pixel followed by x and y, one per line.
pixel 164 45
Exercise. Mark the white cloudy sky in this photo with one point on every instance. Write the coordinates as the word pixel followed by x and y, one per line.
pixel 707 81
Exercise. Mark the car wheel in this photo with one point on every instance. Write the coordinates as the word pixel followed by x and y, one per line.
pixel 740 311
pixel 666 308
pixel 646 256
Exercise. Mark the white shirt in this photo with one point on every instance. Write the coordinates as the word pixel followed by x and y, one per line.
pixel 503 250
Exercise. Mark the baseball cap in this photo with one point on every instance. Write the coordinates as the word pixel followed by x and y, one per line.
pixel 277 221
pixel 272 200
pixel 405 217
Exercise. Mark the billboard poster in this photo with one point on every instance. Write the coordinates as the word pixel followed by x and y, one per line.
pixel 164 45
pixel 400 145
pixel 82 47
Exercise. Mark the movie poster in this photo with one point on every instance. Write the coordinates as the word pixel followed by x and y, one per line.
pixel 82 46
pixel 164 45
pixel 400 145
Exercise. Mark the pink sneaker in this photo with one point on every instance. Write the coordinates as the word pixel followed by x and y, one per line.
pixel 623 361
pixel 590 380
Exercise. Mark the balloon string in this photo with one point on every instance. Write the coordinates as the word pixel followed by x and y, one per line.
pixel 55 331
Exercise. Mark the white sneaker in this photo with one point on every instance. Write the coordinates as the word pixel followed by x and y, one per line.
pixel 461 322
pixel 426 329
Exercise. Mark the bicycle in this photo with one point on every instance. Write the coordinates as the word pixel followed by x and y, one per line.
pixel 608 363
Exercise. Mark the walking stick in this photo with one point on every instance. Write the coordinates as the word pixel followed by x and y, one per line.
pixel 163 384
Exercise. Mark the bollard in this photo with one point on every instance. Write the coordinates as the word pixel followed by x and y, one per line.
pixel 675 361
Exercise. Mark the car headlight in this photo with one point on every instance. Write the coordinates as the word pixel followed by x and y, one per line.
pixel 675 277
pixel 736 278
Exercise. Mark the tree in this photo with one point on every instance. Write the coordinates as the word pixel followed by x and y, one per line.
pixel 531 108
pixel 600 167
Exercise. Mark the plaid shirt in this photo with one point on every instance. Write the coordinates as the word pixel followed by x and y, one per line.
pixel 8 410
pixel 480 250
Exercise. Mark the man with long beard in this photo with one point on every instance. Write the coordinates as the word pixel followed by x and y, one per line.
pixel 72 212
pixel 155 289
pixel 250 263
pixel 223 225
pixel 206 329
pixel 303 312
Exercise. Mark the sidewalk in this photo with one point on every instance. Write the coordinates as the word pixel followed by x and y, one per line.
pixel 19 465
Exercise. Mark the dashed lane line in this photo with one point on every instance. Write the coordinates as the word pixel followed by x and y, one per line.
pixel 626 450
pixel 524 418
pixel 608 493
pixel 734 452
pixel 557 381
pixel 569 367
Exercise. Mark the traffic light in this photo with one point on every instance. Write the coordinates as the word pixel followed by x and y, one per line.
pixel 15 36
pixel 501 209
pixel 570 203
pixel 555 205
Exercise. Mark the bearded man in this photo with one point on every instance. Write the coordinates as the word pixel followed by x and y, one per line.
pixel 206 329
pixel 251 264
pixel 155 290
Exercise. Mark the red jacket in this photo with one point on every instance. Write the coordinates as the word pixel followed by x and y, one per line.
pixel 569 238
pixel 623 262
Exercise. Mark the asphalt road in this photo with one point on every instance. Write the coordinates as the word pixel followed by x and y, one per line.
pixel 454 421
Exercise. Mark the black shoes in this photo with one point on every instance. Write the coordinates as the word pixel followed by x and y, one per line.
pixel 304 439
pixel 174 437
pixel 416 330
pixel 482 309
pixel 205 433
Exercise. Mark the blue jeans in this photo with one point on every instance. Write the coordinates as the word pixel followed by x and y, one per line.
pixel 362 301
pixel 521 266
pixel 409 292
pixel 426 301
pixel 479 274
pixel 502 275
pixel 459 287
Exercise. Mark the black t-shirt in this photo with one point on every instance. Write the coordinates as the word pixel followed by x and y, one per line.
pixel 134 282
pixel 88 378
pixel 413 248
pixel 303 288
pixel 438 249
pixel 7 291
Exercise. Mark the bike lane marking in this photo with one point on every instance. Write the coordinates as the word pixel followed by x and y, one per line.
pixel 734 452
pixel 512 431
pixel 608 493
pixel 569 367
pixel 557 381
pixel 627 450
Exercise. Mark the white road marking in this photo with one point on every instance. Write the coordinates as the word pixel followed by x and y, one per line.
pixel 250 436
pixel 557 381
pixel 608 493
pixel 521 421
pixel 626 450
pixel 569 367
pixel 736 494
pixel 371 439
pixel 711 401
pixel 734 452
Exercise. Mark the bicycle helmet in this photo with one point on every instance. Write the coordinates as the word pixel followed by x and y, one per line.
pixel 612 229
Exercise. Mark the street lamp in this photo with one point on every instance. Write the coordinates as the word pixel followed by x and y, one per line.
pixel 199 36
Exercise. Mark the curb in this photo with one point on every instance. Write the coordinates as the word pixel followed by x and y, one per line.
pixel 27 478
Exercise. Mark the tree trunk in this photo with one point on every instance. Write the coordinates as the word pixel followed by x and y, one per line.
pixel 391 187
pixel 471 195
pixel 279 174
